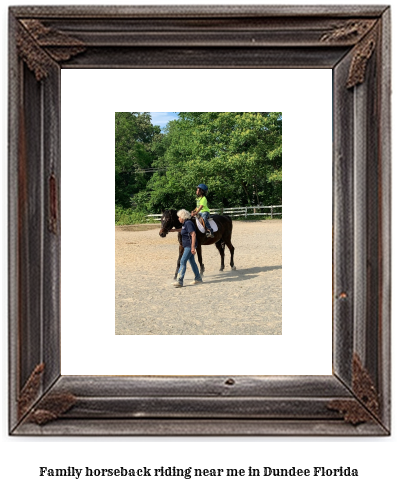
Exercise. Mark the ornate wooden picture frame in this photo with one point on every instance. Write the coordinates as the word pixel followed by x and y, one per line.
pixel 352 41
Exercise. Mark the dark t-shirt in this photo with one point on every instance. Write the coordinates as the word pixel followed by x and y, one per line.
pixel 187 228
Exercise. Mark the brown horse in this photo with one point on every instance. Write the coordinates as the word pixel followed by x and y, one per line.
pixel 222 237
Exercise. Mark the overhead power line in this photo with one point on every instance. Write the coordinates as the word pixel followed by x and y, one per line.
pixel 150 170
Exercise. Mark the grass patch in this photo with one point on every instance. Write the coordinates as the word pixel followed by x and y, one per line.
pixel 128 216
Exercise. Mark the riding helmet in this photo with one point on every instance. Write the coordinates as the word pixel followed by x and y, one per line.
pixel 203 187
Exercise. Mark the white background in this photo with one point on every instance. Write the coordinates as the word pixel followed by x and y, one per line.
pixel 88 241
pixel 376 459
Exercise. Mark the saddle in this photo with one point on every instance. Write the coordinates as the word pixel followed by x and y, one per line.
pixel 202 222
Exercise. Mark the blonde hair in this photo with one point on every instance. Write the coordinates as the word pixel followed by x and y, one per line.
pixel 184 214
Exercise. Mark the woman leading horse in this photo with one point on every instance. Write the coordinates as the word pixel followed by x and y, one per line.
pixel 189 243
pixel 221 237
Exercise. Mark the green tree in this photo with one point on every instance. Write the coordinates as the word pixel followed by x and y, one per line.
pixel 238 155
pixel 134 137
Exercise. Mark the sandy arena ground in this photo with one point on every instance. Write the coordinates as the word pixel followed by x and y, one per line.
pixel 247 301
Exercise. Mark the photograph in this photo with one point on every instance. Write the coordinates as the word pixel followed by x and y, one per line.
pixel 185 181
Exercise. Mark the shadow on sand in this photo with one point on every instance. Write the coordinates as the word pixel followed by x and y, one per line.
pixel 239 275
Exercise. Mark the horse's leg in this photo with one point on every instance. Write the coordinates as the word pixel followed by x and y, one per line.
pixel 199 253
pixel 220 247
pixel 181 250
pixel 227 239
pixel 231 248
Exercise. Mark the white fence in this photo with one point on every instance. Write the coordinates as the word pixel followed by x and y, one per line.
pixel 240 211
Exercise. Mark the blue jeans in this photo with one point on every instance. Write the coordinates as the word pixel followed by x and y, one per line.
pixel 187 256
pixel 205 216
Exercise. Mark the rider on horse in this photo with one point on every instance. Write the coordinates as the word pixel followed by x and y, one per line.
pixel 202 207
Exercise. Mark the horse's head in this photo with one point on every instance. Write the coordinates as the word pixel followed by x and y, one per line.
pixel 167 222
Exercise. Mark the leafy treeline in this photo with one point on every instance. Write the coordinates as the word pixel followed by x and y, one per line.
pixel 135 138
pixel 237 155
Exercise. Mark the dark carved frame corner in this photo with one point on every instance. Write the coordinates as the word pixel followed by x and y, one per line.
pixel 354 42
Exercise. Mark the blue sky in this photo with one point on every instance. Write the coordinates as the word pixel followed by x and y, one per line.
pixel 162 118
